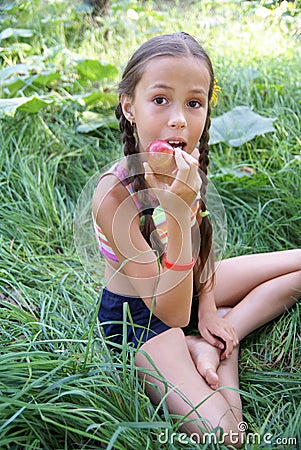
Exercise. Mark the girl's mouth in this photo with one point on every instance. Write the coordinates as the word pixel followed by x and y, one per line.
pixel 177 144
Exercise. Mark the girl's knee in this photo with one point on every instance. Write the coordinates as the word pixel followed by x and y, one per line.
pixel 232 435
pixel 228 432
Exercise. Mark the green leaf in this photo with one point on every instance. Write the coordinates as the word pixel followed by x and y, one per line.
pixel 238 126
pixel 7 6
pixel 8 107
pixel 17 48
pixel 45 78
pixel 34 104
pixel 14 85
pixel 17 76
pixel 16 69
pixel 94 70
pixel 15 32
pixel 92 121
pixel 105 99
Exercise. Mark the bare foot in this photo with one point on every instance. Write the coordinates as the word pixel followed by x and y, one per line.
pixel 206 358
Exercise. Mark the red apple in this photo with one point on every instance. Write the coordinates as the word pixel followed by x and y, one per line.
pixel 160 156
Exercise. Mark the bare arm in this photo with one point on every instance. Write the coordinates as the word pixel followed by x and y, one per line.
pixel 117 215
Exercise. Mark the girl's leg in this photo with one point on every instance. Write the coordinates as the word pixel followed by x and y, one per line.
pixel 259 287
pixel 228 376
pixel 265 302
pixel 237 276
pixel 168 357
pixel 215 372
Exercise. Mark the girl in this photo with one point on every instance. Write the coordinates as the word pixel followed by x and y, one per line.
pixel 146 225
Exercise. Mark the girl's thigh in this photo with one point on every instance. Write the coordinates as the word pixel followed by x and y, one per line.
pixel 236 277
pixel 166 357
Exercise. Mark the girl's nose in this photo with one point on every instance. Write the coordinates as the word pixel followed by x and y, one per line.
pixel 177 119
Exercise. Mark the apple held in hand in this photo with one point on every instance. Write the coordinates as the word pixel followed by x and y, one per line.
pixel 160 156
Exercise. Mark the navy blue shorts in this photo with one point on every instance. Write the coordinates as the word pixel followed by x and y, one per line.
pixel 139 322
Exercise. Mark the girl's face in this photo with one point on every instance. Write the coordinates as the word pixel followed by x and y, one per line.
pixel 170 102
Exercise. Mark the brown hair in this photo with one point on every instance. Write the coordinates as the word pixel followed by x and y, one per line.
pixel 177 45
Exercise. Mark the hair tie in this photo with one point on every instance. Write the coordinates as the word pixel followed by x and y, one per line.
pixel 204 213
pixel 147 211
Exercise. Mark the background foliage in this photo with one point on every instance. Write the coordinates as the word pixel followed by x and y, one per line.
pixel 60 387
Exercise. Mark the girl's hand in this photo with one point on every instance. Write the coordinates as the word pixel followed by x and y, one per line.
pixel 183 184
pixel 219 332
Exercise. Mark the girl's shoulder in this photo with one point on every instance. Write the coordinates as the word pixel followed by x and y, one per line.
pixel 116 171
pixel 118 183
pixel 115 176
pixel 109 191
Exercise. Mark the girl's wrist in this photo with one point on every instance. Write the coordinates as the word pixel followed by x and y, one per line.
pixel 179 219
pixel 207 307
pixel 178 267
pixel 176 206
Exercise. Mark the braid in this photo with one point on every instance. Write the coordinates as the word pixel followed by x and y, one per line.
pixel 140 186
pixel 204 146
pixel 128 138
pixel 205 225
pixel 204 159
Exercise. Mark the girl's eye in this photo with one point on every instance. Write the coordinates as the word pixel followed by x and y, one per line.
pixel 160 100
pixel 194 104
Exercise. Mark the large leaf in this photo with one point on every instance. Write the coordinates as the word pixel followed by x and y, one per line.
pixel 94 70
pixel 15 32
pixel 238 126
pixel 45 78
pixel 17 76
pixel 92 121
pixel 7 5
pixel 16 49
pixel 15 70
pixel 9 106
pixel 105 99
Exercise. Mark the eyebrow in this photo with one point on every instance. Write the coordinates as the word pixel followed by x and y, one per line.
pixel 165 86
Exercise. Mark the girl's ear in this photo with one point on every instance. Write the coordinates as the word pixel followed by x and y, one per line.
pixel 127 107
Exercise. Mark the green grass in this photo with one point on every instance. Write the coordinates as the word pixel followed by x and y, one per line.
pixel 60 387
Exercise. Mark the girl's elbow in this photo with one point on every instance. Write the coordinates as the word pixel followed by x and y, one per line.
pixel 178 321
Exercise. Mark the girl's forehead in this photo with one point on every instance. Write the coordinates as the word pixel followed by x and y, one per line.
pixel 170 62
pixel 185 68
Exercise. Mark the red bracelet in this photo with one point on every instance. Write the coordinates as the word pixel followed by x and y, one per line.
pixel 179 267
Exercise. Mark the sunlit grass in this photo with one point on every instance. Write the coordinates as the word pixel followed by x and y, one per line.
pixel 60 386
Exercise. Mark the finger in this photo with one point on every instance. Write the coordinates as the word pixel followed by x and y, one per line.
pixel 190 159
pixel 228 341
pixel 183 157
pixel 188 171
pixel 194 179
pixel 228 350
pixel 234 339
pixel 212 340
pixel 182 165
pixel 223 334
pixel 233 334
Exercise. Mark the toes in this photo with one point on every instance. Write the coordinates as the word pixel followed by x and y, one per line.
pixel 211 378
pixel 209 374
